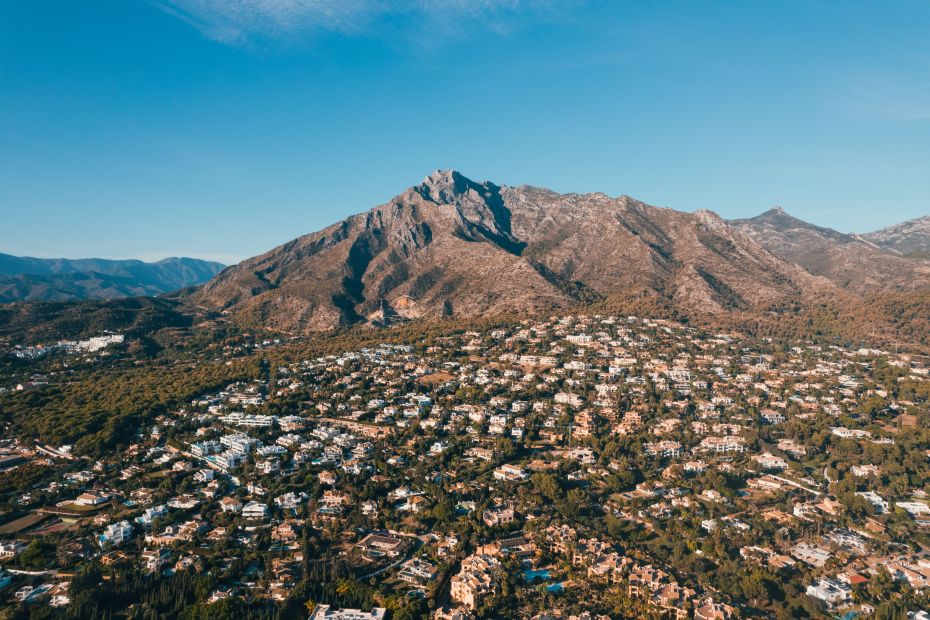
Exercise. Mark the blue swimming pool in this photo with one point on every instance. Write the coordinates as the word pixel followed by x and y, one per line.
pixel 533 575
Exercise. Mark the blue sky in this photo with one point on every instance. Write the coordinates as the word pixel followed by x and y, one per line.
pixel 221 128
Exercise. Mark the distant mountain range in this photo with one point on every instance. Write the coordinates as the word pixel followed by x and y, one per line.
pixel 453 247
pixel 60 279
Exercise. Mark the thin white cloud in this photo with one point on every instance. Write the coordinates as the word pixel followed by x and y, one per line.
pixel 245 22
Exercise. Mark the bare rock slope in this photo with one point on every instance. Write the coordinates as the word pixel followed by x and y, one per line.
pixel 451 246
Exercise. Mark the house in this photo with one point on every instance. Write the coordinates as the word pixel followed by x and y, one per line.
pixel 255 510
pixel 378 544
pixel 153 560
pixel 10 549
pixel 217 534
pixel 917 575
pixel 864 471
pixel 663 449
pixel 285 532
pixel 767 460
pixel 772 417
pixel 205 448
pixel 831 591
pixel 416 504
pixel 176 533
pixel 417 571
pixel 766 557
pixel 811 554
pixel 269 466
pixel 230 504
pixel 476 580
pixel 290 500
pixel 518 547
pixel 723 445
pixel 485 454
pixel 566 398
pixel 767 484
pixel 150 514
pixel 849 433
pixel 609 568
pixel 456 613
pixel 510 473
pixel 91 499
pixel 115 534
pixel 335 499
pixel 325 612
pixel 695 467
pixel 183 502
pixel 497 516
pixel 709 609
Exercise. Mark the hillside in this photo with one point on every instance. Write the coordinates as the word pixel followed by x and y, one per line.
pixel 911 238
pixel 850 261
pixel 43 322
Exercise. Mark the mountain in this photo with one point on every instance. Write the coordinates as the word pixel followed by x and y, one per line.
pixel 851 262
pixel 911 238
pixel 59 279
pixel 451 246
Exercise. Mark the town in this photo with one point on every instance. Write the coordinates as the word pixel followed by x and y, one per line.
pixel 582 466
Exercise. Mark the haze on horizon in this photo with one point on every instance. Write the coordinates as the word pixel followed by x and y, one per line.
pixel 219 129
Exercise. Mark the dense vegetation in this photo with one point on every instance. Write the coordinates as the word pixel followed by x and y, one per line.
pixel 101 410
pixel 30 323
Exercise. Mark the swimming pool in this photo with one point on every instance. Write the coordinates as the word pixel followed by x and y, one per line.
pixel 533 575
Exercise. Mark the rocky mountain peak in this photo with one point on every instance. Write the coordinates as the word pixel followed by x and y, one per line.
pixel 710 219
pixel 444 186
pixel 444 178
pixel 776 215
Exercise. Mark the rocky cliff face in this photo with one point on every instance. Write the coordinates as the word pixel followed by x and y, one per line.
pixel 453 247
pixel 852 262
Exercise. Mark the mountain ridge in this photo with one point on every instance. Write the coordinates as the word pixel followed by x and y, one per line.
pixel 58 279
pixel 851 261
pixel 908 238
pixel 451 246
